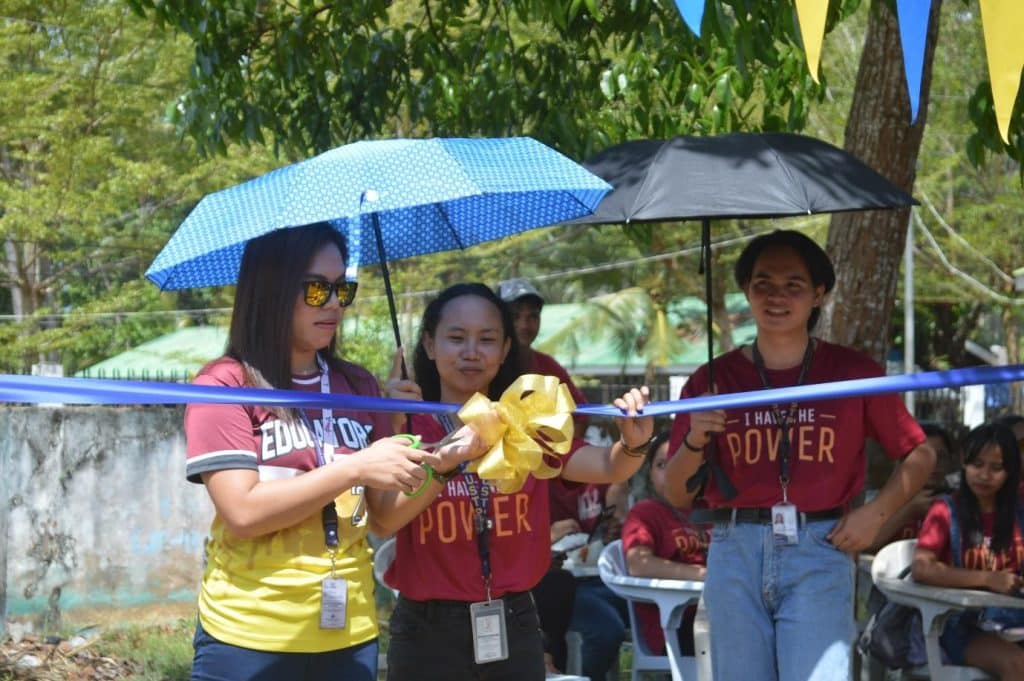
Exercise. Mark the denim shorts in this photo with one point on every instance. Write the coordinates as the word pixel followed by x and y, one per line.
pixel 961 627
pixel 218 661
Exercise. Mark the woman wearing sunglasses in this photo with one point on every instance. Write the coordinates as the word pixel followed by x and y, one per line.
pixel 287 592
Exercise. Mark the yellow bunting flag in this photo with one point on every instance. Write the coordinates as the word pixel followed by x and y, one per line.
pixel 811 14
pixel 533 410
pixel 1003 24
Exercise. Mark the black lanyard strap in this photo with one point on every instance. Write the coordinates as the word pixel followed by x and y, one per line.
pixel 784 420
pixel 480 494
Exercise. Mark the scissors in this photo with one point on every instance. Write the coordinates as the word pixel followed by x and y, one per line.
pixel 416 442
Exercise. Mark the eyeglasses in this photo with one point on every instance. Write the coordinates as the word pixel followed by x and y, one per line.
pixel 316 292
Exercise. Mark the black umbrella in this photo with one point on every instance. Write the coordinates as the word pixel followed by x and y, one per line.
pixel 740 175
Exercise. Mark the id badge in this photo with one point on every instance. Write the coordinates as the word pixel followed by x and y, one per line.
pixel 333 603
pixel 490 640
pixel 784 523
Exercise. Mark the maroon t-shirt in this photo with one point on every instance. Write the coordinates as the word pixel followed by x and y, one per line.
pixel 935 537
pixel 827 463
pixel 222 436
pixel 583 502
pixel 669 534
pixel 437 554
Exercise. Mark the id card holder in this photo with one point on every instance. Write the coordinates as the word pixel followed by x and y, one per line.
pixel 333 603
pixel 784 524
pixel 490 640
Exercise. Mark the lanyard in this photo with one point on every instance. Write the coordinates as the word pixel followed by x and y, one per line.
pixel 479 495
pixel 329 514
pixel 784 420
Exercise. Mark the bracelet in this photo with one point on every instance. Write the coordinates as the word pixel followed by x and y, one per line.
pixel 686 443
pixel 639 450
pixel 445 478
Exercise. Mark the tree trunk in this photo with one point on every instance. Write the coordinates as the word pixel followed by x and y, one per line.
pixel 1012 335
pixel 867 247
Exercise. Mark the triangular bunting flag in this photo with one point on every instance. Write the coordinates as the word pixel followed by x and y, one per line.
pixel 913 21
pixel 811 14
pixel 693 13
pixel 1003 23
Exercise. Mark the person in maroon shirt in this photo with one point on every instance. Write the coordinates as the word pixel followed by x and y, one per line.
pixel 906 523
pixel 785 533
pixel 660 541
pixel 462 546
pixel 981 548
pixel 526 305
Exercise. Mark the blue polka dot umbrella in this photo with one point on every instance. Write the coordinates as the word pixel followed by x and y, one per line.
pixel 392 199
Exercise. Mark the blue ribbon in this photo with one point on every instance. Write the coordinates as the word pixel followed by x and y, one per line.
pixel 36 389
pixel 928 380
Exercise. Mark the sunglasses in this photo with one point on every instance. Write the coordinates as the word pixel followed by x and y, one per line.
pixel 316 292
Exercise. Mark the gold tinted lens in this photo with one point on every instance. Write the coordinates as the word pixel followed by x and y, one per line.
pixel 317 293
pixel 346 292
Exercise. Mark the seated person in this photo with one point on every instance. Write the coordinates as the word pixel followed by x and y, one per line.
pixel 1015 422
pixel 659 540
pixel 972 540
pixel 596 613
pixel 906 522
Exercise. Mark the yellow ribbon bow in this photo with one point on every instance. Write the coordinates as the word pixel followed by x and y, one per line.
pixel 532 410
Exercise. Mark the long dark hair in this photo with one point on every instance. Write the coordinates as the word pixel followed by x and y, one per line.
pixel 817 261
pixel 1006 498
pixel 425 369
pixel 642 488
pixel 273 267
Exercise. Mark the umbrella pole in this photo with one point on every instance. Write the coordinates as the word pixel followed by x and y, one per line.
pixel 725 486
pixel 387 288
pixel 705 266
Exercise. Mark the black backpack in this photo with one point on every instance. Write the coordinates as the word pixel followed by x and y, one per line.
pixel 894 634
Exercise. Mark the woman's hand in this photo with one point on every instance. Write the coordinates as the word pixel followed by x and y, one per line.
pixel 391 464
pixel 398 388
pixel 465 445
pixel 703 424
pixel 1003 582
pixel 563 527
pixel 634 429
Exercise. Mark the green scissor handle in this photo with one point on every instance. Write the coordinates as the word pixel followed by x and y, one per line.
pixel 415 441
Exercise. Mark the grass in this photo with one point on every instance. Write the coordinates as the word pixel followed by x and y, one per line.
pixel 163 652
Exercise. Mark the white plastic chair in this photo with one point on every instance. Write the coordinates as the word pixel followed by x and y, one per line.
pixel 935 603
pixel 671 596
pixel 383 555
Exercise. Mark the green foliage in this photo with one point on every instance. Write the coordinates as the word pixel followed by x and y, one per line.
pixel 578 74
pixel 93 177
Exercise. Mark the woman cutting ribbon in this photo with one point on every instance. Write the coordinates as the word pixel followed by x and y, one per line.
pixel 468 552
pixel 287 592
pixel 781 545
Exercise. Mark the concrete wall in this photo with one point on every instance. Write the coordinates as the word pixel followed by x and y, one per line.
pixel 95 510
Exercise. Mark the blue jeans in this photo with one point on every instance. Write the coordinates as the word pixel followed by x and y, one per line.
pixel 778 613
pixel 217 661
pixel 601 618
